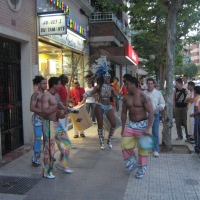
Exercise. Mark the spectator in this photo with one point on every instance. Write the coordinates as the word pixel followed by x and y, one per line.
pixel 158 103
pixel 123 89
pixel 185 82
pixel 196 114
pixel 190 110
pixel 76 96
pixel 158 88
pixel 64 99
pixel 90 102
pixel 143 85
pixel 180 108
pixel 117 89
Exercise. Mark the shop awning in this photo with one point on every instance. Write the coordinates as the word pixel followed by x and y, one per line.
pixel 120 55
pixel 141 72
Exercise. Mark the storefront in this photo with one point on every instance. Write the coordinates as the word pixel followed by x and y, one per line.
pixel 62 43
pixel 62 54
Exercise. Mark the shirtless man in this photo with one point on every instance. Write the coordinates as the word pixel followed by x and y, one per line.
pixel 137 104
pixel 37 118
pixel 53 130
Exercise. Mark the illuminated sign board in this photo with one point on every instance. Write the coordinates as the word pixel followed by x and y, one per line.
pixel 131 54
pixel 60 5
pixel 52 25
pixel 76 27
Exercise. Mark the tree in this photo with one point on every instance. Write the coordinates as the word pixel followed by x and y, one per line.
pixel 170 20
pixel 190 69
pixel 165 22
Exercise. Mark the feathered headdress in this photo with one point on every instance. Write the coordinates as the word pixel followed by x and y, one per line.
pixel 99 68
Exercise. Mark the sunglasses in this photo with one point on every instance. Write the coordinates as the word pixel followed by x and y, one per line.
pixel 76 83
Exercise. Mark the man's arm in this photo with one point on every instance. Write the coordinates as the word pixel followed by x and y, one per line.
pixel 161 102
pixel 33 103
pixel 149 108
pixel 46 107
pixel 123 114
pixel 116 95
pixel 174 97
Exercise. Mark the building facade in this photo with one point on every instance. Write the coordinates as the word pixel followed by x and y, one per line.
pixel 18 62
pixel 195 54
pixel 66 50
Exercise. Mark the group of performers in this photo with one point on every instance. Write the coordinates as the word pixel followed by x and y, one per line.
pixel 46 105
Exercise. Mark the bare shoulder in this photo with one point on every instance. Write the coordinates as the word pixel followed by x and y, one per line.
pixel 126 97
pixel 143 97
pixel 35 96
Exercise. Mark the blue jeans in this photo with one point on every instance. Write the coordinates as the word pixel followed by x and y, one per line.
pixel 155 131
pixel 90 109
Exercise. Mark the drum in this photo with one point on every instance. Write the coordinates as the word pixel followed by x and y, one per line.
pixel 106 123
pixel 146 141
pixel 81 120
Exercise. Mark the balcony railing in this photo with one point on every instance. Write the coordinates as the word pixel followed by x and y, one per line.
pixel 107 17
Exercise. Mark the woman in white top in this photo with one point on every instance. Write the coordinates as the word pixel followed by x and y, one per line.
pixel 90 102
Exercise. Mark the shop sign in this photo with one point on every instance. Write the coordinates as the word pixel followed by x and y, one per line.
pixel 52 25
pixel 68 40
pixel 61 5
pixel 131 54
pixel 76 27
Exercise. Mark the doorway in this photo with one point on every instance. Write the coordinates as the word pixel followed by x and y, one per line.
pixel 11 121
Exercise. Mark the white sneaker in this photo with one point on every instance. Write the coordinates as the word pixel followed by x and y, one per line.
pixel 49 176
pixel 67 170
pixel 156 154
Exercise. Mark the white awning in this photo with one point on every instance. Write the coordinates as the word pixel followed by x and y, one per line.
pixel 141 72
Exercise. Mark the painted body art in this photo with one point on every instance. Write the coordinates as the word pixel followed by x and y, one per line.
pixel 35 96
pixel 144 98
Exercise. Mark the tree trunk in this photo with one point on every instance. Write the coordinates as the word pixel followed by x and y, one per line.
pixel 162 77
pixel 171 42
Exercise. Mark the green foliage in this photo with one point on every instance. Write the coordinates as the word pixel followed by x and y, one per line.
pixel 190 69
pixel 150 17
pixel 178 70
pixel 109 5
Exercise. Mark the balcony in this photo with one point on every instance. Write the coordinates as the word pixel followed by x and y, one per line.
pixel 108 23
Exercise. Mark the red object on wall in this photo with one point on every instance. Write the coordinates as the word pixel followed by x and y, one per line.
pixel 131 54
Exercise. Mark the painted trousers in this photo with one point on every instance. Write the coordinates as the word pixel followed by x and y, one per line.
pixel 53 132
pixel 37 124
pixel 128 144
pixel 37 144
